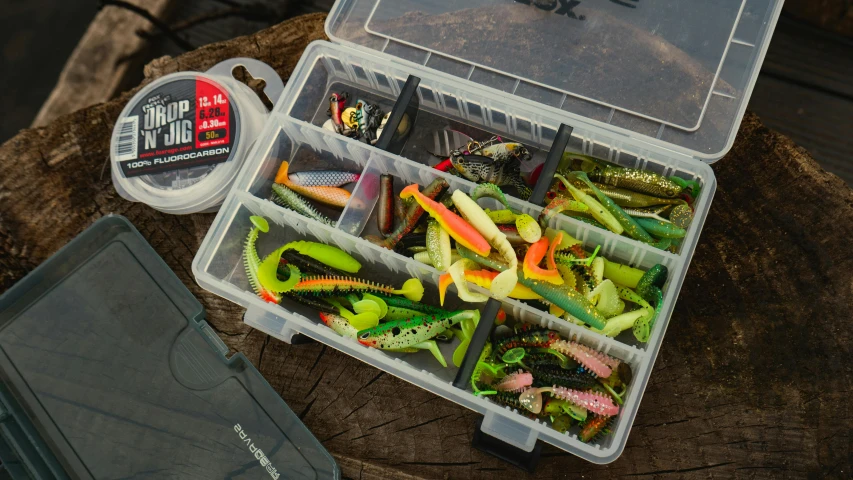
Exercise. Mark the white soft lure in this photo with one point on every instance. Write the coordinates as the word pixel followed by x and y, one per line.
pixel 503 284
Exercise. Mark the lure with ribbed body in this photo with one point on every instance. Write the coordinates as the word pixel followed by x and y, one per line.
pixel 458 228
pixel 335 286
pixel 252 261
pixel 287 198
pixel 334 196
pixel 531 399
pixel 323 178
pixel 405 333
pixel 596 362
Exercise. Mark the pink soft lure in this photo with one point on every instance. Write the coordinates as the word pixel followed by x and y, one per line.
pixel 515 382
pixel 593 402
pixel 595 361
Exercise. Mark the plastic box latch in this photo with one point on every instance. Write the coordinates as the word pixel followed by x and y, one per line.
pixel 507 440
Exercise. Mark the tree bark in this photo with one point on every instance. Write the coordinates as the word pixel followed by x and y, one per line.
pixel 752 380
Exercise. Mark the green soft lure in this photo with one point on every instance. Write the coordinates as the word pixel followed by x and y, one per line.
pixel 400 313
pixel 410 304
pixel 490 190
pixel 252 261
pixel 681 216
pixel 406 333
pixel 438 246
pixel 597 210
pixel 412 289
pixel 660 228
pixel 428 345
pixel 327 254
pixel 502 217
pixel 630 226
pixel 359 321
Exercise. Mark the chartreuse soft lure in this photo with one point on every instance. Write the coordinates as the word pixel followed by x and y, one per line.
pixel 504 283
pixel 252 261
pixel 595 209
pixel 406 333
pixel 438 246
pixel 360 321
pixel 528 228
pixel 490 190
pixel 334 196
pixel 459 229
pixel 328 255
pixel 622 274
pixel 502 217
pixel 412 289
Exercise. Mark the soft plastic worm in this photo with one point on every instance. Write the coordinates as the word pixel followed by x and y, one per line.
pixel 385 215
pixel 287 198
pixel 595 209
pixel 630 226
pixel 334 196
pixel 505 282
pixel 458 228
pixel 405 333
pixel 528 337
pixel 549 376
pixel 596 362
pixel 438 246
pixel 531 399
pixel 332 286
pixel 515 382
pixel 413 214
pixel 490 190
pixel 531 267
pixel 566 298
pixel 323 178
pixel 252 261
pixel 594 427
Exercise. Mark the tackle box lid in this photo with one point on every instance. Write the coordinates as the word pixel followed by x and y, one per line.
pixel 109 371
pixel 673 73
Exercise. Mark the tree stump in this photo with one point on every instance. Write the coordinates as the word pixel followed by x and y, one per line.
pixel 752 380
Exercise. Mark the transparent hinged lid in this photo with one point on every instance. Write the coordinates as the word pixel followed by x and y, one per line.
pixel 675 73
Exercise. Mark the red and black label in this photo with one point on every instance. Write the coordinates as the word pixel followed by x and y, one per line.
pixel 181 124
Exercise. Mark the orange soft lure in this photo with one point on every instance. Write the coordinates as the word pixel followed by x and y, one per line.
pixel 334 196
pixel 534 257
pixel 483 278
pixel 459 229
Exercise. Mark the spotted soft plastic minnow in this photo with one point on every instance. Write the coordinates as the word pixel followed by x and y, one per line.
pixel 323 178
pixel 405 333
pixel 287 198
pixel 252 261
pixel 334 196
pixel 339 324
pixel 458 228
pixel 335 286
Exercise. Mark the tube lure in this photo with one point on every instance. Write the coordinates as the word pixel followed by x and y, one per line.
pixel 596 362
pixel 505 282
pixel 630 226
pixel 405 333
pixel 339 324
pixel 566 298
pixel 333 286
pixel 385 216
pixel 334 196
pixel 484 278
pixel 413 214
pixel 531 399
pixel 531 267
pixel 287 198
pixel 323 178
pixel 461 231
pixel 252 261
pixel 595 209
pixel 438 246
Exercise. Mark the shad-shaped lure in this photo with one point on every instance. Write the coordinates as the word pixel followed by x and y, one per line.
pixel 406 333
pixel 334 196
pixel 458 228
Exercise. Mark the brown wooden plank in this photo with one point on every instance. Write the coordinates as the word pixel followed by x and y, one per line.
pixel 831 15
pixel 752 380
pixel 96 69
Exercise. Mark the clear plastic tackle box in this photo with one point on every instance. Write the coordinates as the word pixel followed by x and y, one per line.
pixel 658 85
pixel 110 371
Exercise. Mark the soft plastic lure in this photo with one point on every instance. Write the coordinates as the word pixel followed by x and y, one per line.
pixel 490 190
pixel 527 337
pixel 405 333
pixel 457 275
pixel 566 298
pixel 596 362
pixel 559 205
pixel 305 265
pixel 515 382
pixel 594 427
pixel 323 178
pixel 623 197
pixel 334 196
pixel 326 254
pixel 512 235
pixel 414 211
pixel 681 216
pixel 630 226
pixel 403 302
pixel 595 209
pixel 458 228
pixel 484 278
pixel 424 257
pixel 412 289
pixel 550 376
pixel 252 261
pixel 661 228
pixel 531 267
pixel 505 282
pixel 438 246
pixel 287 198
pixel 385 212
pixel 527 227
pixel 502 217
pixel 641 181
pixel 339 324
pixel 531 399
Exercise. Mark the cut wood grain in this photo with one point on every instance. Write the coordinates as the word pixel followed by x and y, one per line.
pixel 98 66
pixel 752 380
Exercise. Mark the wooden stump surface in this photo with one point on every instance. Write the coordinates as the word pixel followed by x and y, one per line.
pixel 752 380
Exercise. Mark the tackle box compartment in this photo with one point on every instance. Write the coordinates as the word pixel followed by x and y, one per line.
pixel 478 95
